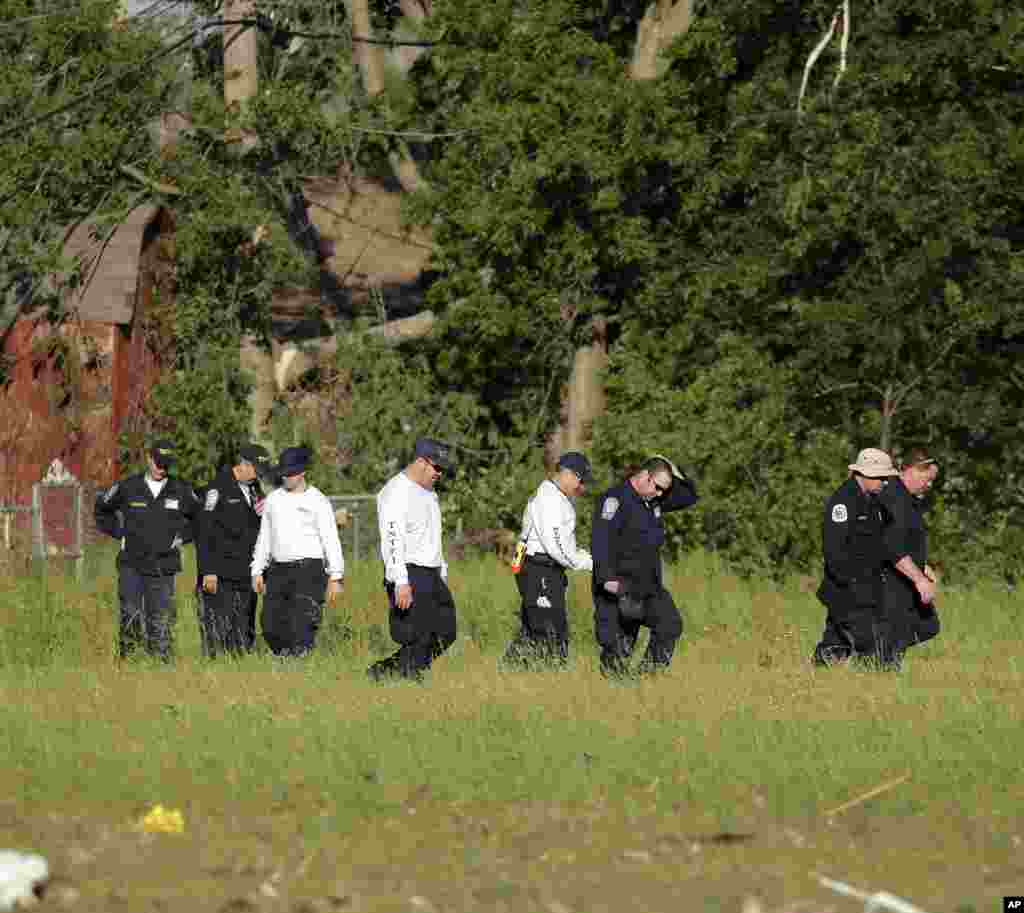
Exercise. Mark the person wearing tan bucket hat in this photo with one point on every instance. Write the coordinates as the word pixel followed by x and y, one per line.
pixel 853 586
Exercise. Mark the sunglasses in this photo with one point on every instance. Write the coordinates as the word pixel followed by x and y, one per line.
pixel 438 469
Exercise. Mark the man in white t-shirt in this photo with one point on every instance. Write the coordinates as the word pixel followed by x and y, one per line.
pixel 297 557
pixel 421 608
pixel 549 540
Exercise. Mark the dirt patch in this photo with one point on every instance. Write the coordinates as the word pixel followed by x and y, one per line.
pixel 596 857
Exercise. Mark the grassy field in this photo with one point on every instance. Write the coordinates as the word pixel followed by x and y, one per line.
pixel 304 787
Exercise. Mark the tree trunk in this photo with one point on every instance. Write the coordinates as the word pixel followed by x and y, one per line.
pixel 240 71
pixel 241 74
pixel 259 364
pixel 370 57
pixel 584 399
pixel 289 361
pixel 663 22
pixel 889 406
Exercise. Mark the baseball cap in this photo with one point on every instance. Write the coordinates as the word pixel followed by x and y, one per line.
pixel 874 464
pixel 258 456
pixel 578 463
pixel 163 452
pixel 438 453
pixel 293 461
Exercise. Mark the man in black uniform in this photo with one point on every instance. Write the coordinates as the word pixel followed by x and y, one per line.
pixel 853 587
pixel 228 526
pixel 153 516
pixel 627 586
pixel 910 582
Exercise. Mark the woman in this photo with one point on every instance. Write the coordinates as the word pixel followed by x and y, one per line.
pixel 910 582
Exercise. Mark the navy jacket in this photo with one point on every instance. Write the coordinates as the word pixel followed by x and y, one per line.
pixel 227 528
pixel 853 548
pixel 905 534
pixel 628 532
pixel 153 529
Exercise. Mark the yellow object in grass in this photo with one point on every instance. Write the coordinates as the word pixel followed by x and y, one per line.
pixel 160 820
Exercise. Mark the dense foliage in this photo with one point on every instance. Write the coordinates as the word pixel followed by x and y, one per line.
pixel 781 288
pixel 784 289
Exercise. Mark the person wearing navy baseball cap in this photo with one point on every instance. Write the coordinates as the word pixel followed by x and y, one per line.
pixel 297 557
pixel 547 550
pixel 421 608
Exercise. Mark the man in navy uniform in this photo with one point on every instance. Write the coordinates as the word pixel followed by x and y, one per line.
pixel 853 586
pixel 152 513
pixel 297 558
pixel 549 541
pixel 628 589
pixel 228 526
pixel 421 608
pixel 910 581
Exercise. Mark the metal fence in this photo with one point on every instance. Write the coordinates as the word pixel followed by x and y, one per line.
pixel 357 524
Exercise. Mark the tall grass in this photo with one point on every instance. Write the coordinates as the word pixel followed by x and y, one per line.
pixel 740 710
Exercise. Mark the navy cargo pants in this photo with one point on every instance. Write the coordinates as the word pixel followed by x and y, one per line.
pixel 293 605
pixel 543 618
pixel 227 618
pixel 425 630
pixel 147 613
pixel 617 632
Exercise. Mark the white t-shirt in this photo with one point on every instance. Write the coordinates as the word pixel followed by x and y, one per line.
pixel 298 525
pixel 549 528
pixel 410 529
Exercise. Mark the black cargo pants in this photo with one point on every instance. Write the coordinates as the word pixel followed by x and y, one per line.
pixel 617 634
pixel 293 605
pixel 543 617
pixel 227 618
pixel 424 631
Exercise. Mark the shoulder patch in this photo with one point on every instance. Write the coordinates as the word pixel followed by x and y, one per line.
pixel 609 507
pixel 109 496
pixel 839 514
pixel 212 496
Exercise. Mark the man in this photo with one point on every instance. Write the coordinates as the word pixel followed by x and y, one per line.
pixel 297 555
pixel 421 609
pixel 152 514
pixel 549 539
pixel 910 582
pixel 854 581
pixel 628 587
pixel 228 526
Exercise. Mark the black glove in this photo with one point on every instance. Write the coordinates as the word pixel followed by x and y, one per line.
pixel 629 607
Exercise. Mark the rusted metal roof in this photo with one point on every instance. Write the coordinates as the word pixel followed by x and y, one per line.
pixel 110 268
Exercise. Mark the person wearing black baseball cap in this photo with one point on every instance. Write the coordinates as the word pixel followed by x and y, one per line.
pixel 421 608
pixel 152 513
pixel 227 529
pixel 548 543
pixel 297 558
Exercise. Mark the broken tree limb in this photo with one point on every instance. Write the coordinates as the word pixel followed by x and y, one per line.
pixel 291 360
pixel 870 794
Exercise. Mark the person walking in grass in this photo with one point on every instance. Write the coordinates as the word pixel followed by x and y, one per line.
pixel 910 581
pixel 227 529
pixel 853 585
pixel 297 558
pixel 628 583
pixel 421 610
pixel 153 515
pixel 548 540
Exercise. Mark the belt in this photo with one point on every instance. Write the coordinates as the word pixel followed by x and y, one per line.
pixel 297 562
pixel 543 560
